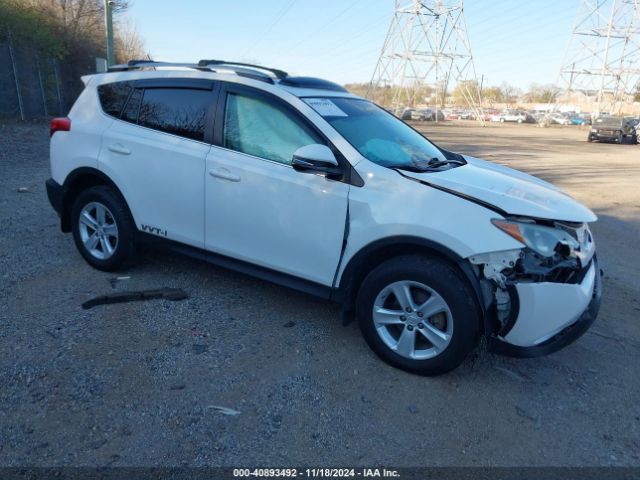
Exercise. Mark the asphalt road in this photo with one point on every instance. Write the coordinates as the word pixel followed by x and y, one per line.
pixel 139 383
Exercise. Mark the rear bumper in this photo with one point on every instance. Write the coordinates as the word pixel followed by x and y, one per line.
pixel 55 192
pixel 590 289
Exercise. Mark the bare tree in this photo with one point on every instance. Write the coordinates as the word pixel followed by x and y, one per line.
pixel 129 45
pixel 80 23
pixel 542 93
pixel 509 93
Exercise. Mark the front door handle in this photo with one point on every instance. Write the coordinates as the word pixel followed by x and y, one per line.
pixel 118 148
pixel 224 174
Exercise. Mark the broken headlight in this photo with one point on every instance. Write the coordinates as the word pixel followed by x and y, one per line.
pixel 545 241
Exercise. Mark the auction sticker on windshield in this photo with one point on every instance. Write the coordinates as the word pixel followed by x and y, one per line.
pixel 325 107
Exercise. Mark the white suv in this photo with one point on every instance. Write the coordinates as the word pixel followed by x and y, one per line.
pixel 297 181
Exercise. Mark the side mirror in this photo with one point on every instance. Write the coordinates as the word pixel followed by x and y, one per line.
pixel 315 158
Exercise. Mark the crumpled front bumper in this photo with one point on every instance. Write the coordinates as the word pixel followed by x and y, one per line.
pixel 551 316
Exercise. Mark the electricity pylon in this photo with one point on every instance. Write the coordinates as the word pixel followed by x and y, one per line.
pixel 425 52
pixel 603 57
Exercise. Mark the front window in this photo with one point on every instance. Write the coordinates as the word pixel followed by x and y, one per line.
pixel 263 129
pixel 376 134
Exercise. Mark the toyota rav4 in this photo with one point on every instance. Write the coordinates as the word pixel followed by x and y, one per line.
pixel 296 181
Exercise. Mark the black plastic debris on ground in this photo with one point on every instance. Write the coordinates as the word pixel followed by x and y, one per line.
pixel 173 294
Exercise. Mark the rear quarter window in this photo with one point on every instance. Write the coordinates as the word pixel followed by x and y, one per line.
pixel 113 97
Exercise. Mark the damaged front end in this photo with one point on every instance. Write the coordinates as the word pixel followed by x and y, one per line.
pixel 544 295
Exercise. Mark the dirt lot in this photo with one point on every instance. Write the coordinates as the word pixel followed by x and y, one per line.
pixel 135 384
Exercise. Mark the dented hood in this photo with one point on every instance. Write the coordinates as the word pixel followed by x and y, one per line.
pixel 514 192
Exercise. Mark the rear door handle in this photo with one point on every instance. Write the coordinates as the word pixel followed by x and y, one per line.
pixel 224 174
pixel 118 148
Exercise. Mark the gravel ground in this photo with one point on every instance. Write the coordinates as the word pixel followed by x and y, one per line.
pixel 136 384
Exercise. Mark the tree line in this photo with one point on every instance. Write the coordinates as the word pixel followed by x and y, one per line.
pixel 70 30
pixel 505 93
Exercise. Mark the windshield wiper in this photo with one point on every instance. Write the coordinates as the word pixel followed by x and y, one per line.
pixel 431 165
pixel 437 163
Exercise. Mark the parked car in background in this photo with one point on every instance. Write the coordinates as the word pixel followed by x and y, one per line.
pixel 539 116
pixel 580 119
pixel 637 127
pixel 427 115
pixel 467 115
pixel 633 121
pixel 422 114
pixel 587 118
pixel 403 113
pixel 613 129
pixel 440 115
pixel 517 116
pixel 487 113
pixel 406 114
pixel 528 118
pixel 495 117
pixel 558 119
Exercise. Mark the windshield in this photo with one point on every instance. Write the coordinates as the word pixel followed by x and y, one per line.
pixel 376 134
pixel 609 122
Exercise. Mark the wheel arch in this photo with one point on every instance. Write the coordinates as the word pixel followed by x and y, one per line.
pixel 76 182
pixel 373 254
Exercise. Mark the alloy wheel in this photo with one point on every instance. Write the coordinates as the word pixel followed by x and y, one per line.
pixel 98 230
pixel 413 320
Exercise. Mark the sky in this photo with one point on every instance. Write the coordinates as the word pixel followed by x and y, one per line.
pixel 516 41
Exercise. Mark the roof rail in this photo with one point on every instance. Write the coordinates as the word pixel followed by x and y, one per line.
pixel 136 64
pixel 280 74
pixel 241 69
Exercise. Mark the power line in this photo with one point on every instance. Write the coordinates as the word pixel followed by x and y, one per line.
pixel 270 27
pixel 324 26
pixel 345 40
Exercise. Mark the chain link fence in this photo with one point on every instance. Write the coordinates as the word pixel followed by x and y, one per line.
pixel 35 87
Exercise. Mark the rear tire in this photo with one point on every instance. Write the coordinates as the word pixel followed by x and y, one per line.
pixel 418 341
pixel 103 228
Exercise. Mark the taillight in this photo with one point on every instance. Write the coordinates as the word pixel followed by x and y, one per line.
pixel 60 124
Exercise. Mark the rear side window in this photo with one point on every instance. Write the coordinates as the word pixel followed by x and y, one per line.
pixel 113 97
pixel 179 111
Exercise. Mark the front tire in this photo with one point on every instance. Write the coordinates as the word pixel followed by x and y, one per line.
pixel 103 229
pixel 418 314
